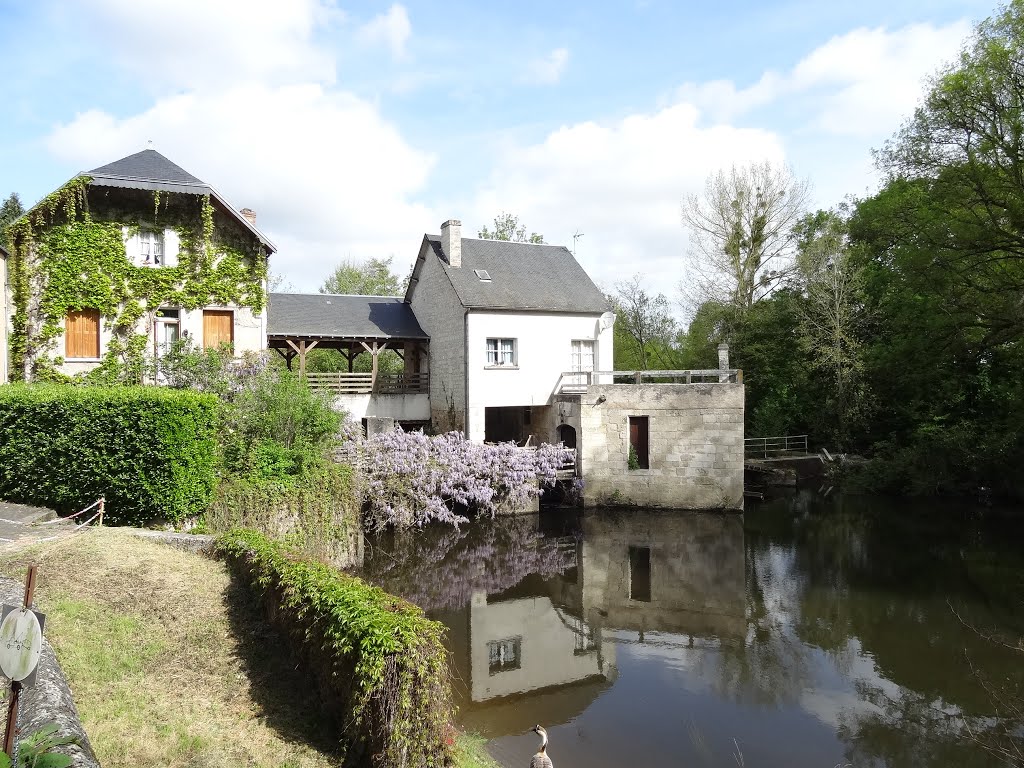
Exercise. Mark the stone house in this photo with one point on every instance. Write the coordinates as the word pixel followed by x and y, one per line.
pixel 125 259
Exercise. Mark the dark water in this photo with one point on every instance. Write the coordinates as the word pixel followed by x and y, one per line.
pixel 808 632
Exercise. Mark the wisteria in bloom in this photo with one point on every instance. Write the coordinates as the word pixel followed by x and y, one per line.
pixel 490 556
pixel 414 479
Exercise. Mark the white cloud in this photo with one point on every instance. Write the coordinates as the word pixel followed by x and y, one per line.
pixel 548 70
pixel 858 83
pixel 328 177
pixel 392 29
pixel 185 44
pixel 621 184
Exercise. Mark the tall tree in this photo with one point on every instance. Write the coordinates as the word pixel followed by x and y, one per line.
pixel 956 177
pixel 507 227
pixel 371 278
pixel 9 211
pixel 741 243
pixel 645 320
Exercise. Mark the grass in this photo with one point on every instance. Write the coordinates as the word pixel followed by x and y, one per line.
pixel 170 664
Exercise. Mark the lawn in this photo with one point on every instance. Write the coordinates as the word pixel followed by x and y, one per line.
pixel 171 664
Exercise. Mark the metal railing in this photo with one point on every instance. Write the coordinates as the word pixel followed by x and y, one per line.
pixel 765 447
pixel 363 383
pixel 578 381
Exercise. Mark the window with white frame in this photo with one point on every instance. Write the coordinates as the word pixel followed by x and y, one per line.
pixel 501 352
pixel 151 248
pixel 167 328
pixel 582 355
pixel 503 655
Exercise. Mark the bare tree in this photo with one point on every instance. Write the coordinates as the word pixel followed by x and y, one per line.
pixel 644 318
pixel 741 241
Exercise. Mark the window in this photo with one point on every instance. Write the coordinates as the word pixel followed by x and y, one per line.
pixel 82 334
pixel 218 328
pixel 501 352
pixel 151 248
pixel 503 655
pixel 582 356
pixel 483 274
pixel 167 327
pixel 640 574
pixel 639 443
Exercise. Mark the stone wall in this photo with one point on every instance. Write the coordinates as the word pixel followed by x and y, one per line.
pixel 696 445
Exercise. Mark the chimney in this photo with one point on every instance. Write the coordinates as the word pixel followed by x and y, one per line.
pixel 451 242
pixel 723 360
pixel 249 215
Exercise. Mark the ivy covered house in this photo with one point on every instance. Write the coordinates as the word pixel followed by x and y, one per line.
pixel 126 258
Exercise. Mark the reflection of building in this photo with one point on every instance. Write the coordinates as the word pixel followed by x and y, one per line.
pixel 665 572
pixel 528 643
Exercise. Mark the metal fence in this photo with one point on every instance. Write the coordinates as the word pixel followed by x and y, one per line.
pixel 578 381
pixel 766 447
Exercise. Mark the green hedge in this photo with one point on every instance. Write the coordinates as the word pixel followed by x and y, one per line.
pixel 379 662
pixel 150 451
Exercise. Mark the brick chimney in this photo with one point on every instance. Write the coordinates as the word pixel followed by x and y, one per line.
pixel 249 215
pixel 451 242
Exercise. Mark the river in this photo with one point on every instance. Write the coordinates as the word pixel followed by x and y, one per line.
pixel 809 632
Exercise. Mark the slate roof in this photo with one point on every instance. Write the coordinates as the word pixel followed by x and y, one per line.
pixel 330 316
pixel 524 276
pixel 149 169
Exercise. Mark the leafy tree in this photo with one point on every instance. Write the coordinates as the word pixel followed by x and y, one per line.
pixel 644 322
pixel 507 227
pixel 741 233
pixel 372 278
pixel 9 211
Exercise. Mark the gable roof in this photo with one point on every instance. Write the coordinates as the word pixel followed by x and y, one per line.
pixel 332 316
pixel 149 169
pixel 526 276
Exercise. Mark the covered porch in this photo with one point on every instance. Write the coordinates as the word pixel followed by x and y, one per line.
pixel 299 324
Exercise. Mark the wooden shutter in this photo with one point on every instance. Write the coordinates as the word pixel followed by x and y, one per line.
pixel 82 334
pixel 218 327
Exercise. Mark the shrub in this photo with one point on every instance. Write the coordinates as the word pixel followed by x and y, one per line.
pixel 378 660
pixel 150 451
pixel 413 479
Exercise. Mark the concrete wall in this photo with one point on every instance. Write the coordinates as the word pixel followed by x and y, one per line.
pixel 543 349
pixel 697 573
pixel 696 445
pixel 413 407
pixel 442 317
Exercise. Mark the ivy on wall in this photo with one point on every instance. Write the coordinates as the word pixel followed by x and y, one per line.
pixel 69 254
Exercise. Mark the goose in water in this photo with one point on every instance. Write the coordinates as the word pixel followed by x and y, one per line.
pixel 541 759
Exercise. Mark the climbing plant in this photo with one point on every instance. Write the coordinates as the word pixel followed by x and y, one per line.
pixel 69 254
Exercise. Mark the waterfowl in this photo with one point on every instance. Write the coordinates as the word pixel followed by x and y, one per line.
pixel 541 759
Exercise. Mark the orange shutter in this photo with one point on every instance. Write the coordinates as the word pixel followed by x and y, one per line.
pixel 218 327
pixel 82 334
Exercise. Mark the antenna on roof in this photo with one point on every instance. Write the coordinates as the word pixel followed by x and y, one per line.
pixel 149 144
pixel 575 237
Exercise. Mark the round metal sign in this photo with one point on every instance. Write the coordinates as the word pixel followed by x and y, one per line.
pixel 21 643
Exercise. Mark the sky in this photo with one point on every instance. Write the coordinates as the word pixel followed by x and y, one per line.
pixel 353 128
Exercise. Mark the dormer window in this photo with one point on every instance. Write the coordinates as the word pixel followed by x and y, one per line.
pixel 151 248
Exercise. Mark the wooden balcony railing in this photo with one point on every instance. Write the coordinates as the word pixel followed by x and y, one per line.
pixel 364 383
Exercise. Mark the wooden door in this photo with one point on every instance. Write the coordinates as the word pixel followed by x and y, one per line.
pixel 218 328
pixel 82 334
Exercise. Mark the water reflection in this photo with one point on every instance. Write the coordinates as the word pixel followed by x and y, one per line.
pixel 809 633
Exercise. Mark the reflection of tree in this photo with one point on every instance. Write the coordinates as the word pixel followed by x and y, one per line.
pixel 440 567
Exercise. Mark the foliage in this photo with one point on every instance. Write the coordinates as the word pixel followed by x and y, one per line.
pixel 36 750
pixel 372 278
pixel 379 658
pixel 741 233
pixel 507 227
pixel 633 460
pixel 150 452
pixel 69 254
pixel 645 322
pixel 413 479
pixel 10 210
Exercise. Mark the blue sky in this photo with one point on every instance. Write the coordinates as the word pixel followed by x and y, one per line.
pixel 353 128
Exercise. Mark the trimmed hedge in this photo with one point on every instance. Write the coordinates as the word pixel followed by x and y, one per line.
pixel 150 451
pixel 380 663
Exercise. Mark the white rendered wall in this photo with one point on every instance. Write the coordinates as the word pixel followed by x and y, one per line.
pixel 543 350
pixel 411 407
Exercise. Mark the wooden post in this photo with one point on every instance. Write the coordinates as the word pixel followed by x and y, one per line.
pixel 12 710
pixel 103 505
